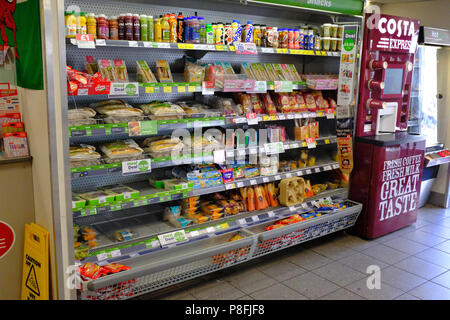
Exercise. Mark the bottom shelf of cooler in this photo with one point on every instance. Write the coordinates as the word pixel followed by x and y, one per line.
pixel 162 268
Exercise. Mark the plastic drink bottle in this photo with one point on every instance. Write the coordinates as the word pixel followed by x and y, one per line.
pixel 275 43
pixel 209 34
pixel 249 32
pixel 136 28
pixel 165 29
pixel 129 27
pixel 228 34
pixel 237 30
pixel 214 30
pixel 102 27
pixel 257 35
pixel 91 24
pixel 173 28
pixel 81 23
pixel 220 33
pixel 195 30
pixel 158 30
pixel 296 39
pixel 291 38
pixel 202 27
pixel 263 35
pixel 144 27
pixel 180 28
pixel 121 26
pixel 311 39
pixel 151 28
pixel 71 24
pixel 113 28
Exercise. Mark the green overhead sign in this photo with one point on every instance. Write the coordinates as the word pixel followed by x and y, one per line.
pixel 350 7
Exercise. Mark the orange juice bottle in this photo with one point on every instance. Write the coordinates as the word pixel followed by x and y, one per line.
pixel 158 30
pixel 165 29
pixel 173 28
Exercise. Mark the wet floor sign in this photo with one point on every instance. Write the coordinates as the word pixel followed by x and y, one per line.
pixel 35 276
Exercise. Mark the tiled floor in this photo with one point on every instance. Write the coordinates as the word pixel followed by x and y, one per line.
pixel 414 264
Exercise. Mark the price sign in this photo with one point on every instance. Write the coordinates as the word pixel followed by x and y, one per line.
pixel 290 116
pixel 327 168
pixel 229 186
pixel 133 44
pixel 245 48
pixel 219 156
pixel 252 118
pixel 172 237
pixel 85 41
pixel 265 179
pixel 102 256
pixel 283 86
pixel 253 182
pixel 281 117
pixel 147 44
pixel 136 167
pixel 194 234
pixel 252 151
pixel 267 50
pixel 311 142
pixel 274 147
pixel 329 113
pixel 260 87
pixel 124 89
pixel 210 229
pixel 207 87
pixel 277 177
pixel 115 253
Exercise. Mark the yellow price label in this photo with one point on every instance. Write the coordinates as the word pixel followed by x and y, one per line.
pixel 232 48
pixel 302 51
pixel 266 118
pixel 149 89
pixel 273 117
pixel 182 89
pixel 282 50
pixel 327 141
pixel 191 89
pixel 295 51
pixel 324 53
pixel 304 144
pixel 310 52
pixel 167 89
pixel 185 46
pixel 320 114
pixel 219 48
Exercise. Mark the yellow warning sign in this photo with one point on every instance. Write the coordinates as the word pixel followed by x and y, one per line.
pixel 35 276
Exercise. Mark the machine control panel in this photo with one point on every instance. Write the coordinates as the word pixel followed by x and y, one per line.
pixel 386 73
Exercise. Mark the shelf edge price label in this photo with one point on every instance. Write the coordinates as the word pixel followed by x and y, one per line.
pixel 136 167
pixel 311 142
pixel 252 118
pixel 283 86
pixel 245 48
pixel 207 87
pixel 274 147
pixel 260 87
pixel 219 156
pixel 85 41
pixel 133 44
pixel 102 256
pixel 329 113
pixel 172 237
pixel 124 89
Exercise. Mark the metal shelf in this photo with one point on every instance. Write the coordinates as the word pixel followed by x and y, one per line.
pixel 202 47
pixel 148 227
pixel 116 168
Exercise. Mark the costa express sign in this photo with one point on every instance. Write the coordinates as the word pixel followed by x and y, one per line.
pixel 390 33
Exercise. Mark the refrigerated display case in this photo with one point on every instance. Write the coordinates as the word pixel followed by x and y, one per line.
pixel 427 113
pixel 142 228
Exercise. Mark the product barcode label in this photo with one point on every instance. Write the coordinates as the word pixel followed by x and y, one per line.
pixel 132 44
pixel 277 177
pixel 240 184
pixel 327 168
pixel 288 175
pixel 265 179
pixel 194 234
pixel 115 253
pixel 210 229
pixel 102 256
pixel 252 182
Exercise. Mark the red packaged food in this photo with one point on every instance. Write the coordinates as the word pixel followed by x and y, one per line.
pixel 301 102
pixel 269 106
pixel 256 103
pixel 310 102
pixel 91 270
pixel 293 102
pixel 114 268
pixel 332 103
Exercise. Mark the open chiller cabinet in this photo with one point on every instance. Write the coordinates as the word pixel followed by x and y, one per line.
pixel 206 248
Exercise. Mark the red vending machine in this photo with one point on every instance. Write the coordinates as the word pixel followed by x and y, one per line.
pixel 388 161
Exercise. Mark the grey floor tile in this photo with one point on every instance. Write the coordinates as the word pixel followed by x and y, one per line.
pixel 444 246
pixel 308 259
pixel 342 294
pixel 444 222
pixel 179 296
pixel 406 296
pixel 420 223
pixel 281 269
pixel 436 257
pixel 396 234
pixel 424 238
pixel 406 245
pixel 443 280
pixel 250 280
pixel 386 292
pixel 360 262
pixel 355 243
pixel 385 254
pixel 277 292
pixel 400 279
pixel 431 217
pixel 333 251
pixel 216 290
pixel 420 267
pixel 437 230
pixel 311 285
pixel 339 273
pixel 431 291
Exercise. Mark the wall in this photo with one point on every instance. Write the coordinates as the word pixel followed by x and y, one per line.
pixel 433 14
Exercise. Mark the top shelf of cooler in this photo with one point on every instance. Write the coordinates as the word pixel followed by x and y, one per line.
pixel 200 47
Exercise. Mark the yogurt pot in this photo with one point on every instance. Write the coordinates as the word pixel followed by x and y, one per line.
pixel 326 30
pixel 326 43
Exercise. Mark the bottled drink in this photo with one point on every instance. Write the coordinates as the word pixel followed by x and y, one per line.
pixel 129 35
pixel 136 28
pixel 173 28
pixel 291 38
pixel 301 41
pixel 91 24
pixel 249 32
pixel 202 26
pixel 195 30
pixel 269 32
pixel 257 35
pixel 311 40
pixel 275 42
pixel 151 28
pixel 81 23
pixel 228 34
pixel 180 28
pixel 237 30
pixel 188 32
pixel 209 34
pixel 121 27
pixel 113 28
pixel 165 29
pixel 220 33
pixel 144 27
pixel 263 35
pixel 71 24
pixel 214 31
pixel 296 39
pixel 102 27
pixel 283 38
pixel 158 30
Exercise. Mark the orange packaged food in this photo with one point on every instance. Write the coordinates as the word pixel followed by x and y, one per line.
pixel 269 106
pixel 310 102
pixel 301 102
pixel 115 267
pixel 250 199
pixel 256 103
pixel 91 270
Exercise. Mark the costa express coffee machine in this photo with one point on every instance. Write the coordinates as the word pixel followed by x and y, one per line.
pixel 388 161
